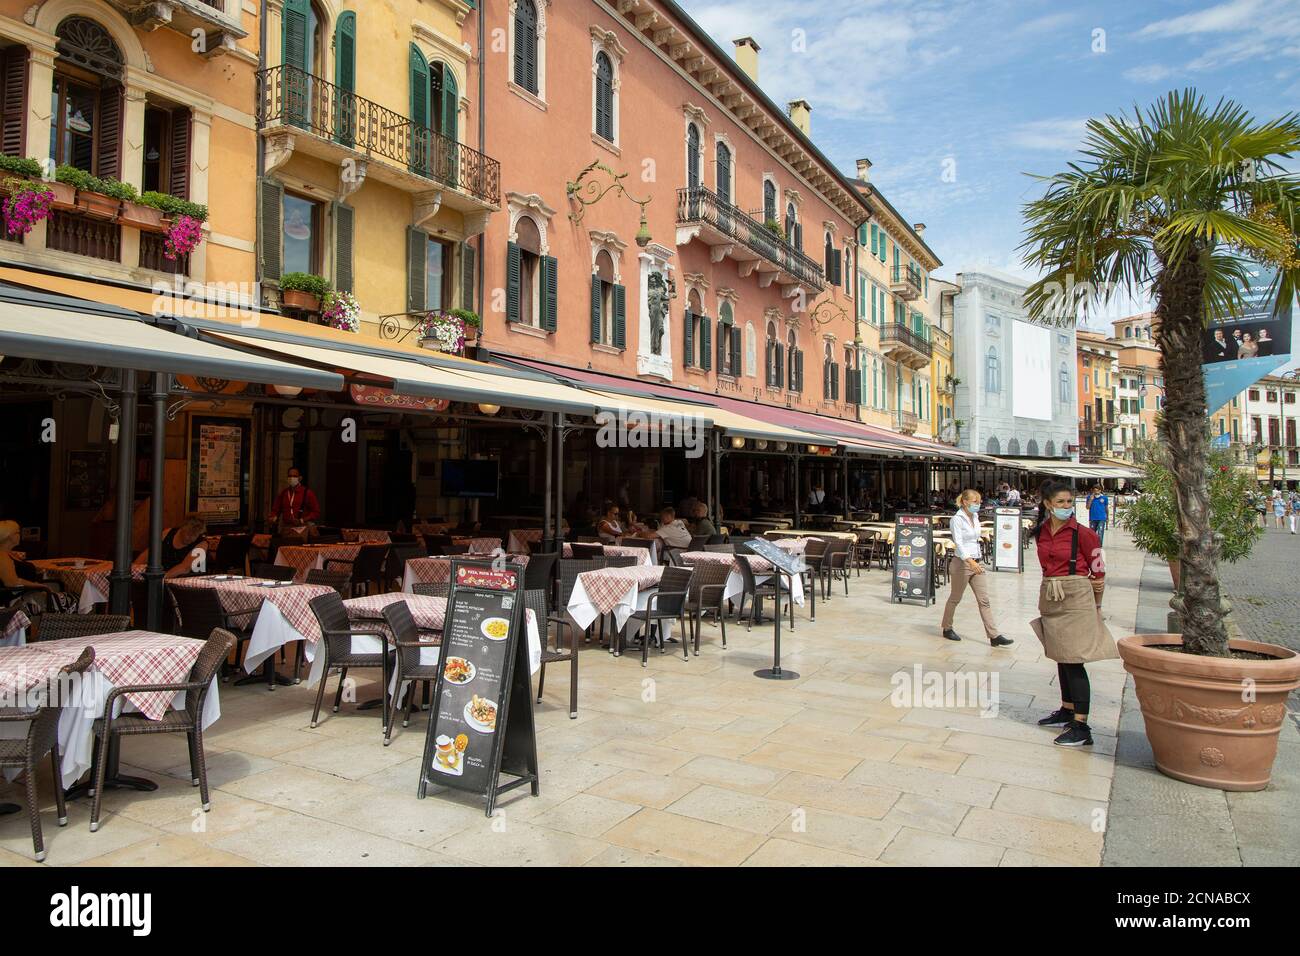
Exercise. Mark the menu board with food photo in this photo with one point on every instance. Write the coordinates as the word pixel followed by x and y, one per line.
pixel 1008 555
pixel 913 559
pixel 473 735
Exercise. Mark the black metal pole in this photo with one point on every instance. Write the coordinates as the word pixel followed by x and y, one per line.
pixel 119 581
pixel 548 506
pixel 153 574
pixel 797 492
pixel 559 483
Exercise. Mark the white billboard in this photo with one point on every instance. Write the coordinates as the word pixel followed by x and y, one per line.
pixel 1031 371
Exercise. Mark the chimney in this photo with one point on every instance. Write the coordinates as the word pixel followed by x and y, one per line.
pixel 918 228
pixel 864 170
pixel 747 56
pixel 801 113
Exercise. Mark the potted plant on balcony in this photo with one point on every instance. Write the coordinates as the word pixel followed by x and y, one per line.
pixel 472 324
pixel 28 203
pixel 340 310
pixel 1175 202
pixel 96 198
pixel 442 331
pixel 143 217
pixel 303 291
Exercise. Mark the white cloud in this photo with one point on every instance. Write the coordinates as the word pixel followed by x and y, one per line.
pixel 1151 73
pixel 1055 135
pixel 1232 17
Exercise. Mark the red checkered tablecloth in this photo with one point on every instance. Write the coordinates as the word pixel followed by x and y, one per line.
pixel 428 612
pixel 73 578
pixel 757 564
pixel 129 657
pixel 520 537
pixel 609 587
pixel 303 557
pixel 795 545
pixel 18 622
pixel 245 596
pixel 366 536
pixel 480 545
pixel 426 571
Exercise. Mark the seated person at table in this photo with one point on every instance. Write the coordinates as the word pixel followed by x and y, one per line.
pixel 14 571
pixel 672 530
pixel 816 498
pixel 610 528
pixel 703 526
pixel 296 504
pixel 178 545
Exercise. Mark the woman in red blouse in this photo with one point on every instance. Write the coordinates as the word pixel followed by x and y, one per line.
pixel 1069 605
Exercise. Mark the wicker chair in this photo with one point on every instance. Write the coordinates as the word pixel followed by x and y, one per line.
pixel 58 627
pixel 200 612
pixel 367 569
pixel 667 603
pixel 622 561
pixel 535 601
pixel 432 588
pixel 698 541
pixel 42 737
pixel 338 632
pixel 570 568
pixel 187 720
pixel 409 645
pixel 540 571
pixel 835 564
pixel 673 557
pixel 584 549
pixel 752 590
pixel 340 581
pixel 395 568
pixel 273 572
pixel 232 554
pixel 814 553
pixel 708 583
pixel 720 548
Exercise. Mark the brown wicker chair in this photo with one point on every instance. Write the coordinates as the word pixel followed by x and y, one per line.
pixel 337 632
pixel 42 737
pixel 665 604
pixel 707 586
pixel 273 572
pixel 200 612
pixel 835 565
pixel 535 601
pixel 340 581
pixel 366 570
pixel 407 640
pixel 58 627
pixel 584 549
pixel 432 588
pixel 187 720
pixel 570 568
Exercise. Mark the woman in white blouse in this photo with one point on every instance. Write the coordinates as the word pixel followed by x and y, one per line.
pixel 964 569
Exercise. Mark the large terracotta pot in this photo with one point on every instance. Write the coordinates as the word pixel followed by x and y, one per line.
pixel 142 217
pixel 1176 572
pixel 297 299
pixel 97 205
pixel 1212 721
pixel 65 195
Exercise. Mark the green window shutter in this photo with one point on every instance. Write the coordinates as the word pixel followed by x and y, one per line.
pixel 550 293
pixel 467 284
pixel 449 120
pixel 597 307
pixel 419 70
pixel 688 339
pixel 294 39
pixel 345 77
pixel 343 245
pixel 416 250
pixel 513 273
pixel 620 317
pixel 706 343
pixel 724 343
pixel 835 382
pixel 270 209
pixel 735 352
pixel 778 366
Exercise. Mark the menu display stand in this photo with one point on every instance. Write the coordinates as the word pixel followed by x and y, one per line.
pixel 1008 555
pixel 782 564
pixel 481 721
pixel 913 577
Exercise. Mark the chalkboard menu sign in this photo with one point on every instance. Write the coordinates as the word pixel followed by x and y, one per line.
pixel 913 559
pixel 481 725
pixel 1007 553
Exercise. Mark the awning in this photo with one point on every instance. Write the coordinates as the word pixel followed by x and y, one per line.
pixel 1071 469
pixel 56 328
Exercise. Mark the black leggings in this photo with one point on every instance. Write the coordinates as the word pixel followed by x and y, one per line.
pixel 1075 688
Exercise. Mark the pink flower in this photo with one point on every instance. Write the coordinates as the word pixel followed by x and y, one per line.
pixel 182 237
pixel 25 209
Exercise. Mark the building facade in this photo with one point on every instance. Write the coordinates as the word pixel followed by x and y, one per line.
pixel 1098 377
pixel 1006 366
pixel 943 379
pixel 1141 394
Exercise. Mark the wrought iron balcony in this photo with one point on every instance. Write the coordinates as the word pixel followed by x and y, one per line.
pixel 218 19
pixel 906 422
pixel 702 213
pixel 344 125
pixel 906 282
pixel 903 344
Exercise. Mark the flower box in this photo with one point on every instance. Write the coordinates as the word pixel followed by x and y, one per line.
pixel 142 217
pixel 65 195
pixel 302 301
pixel 98 206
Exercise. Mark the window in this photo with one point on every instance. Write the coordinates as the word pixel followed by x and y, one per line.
pixel 794 362
pixel 167 151
pixel 1253 395
pixel 992 371
pixel 301 234
pixel 1013 446
pixel 774 359
pixel 694 351
pixel 722 154
pixel 530 279
pixel 728 341
pixel 608 317
pixel 437 275
pixel 828 372
pixel 86 108
pixel 833 261
pixel 1270 396
pixel 526 46
pixel 604 97
pixel 994 448
pixel 793 230
pixel 769 201
pixel 692 155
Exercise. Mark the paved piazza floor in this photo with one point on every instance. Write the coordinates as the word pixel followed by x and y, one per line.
pixel 693 762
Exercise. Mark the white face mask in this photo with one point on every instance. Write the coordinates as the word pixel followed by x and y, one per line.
pixel 293 481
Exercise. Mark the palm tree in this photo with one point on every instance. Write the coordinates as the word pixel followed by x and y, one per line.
pixel 1173 202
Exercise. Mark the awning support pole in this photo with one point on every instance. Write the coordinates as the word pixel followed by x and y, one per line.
pixel 844 492
pixel 548 505
pixel 119 584
pixel 559 483
pixel 797 491
pixel 708 478
pixel 153 574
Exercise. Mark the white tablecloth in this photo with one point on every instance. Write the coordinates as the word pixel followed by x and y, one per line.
pixel 584 612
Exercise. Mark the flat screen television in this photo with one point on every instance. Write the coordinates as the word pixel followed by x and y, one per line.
pixel 469 478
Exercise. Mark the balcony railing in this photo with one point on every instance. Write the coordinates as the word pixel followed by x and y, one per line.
pixel 696 204
pixel 895 333
pixel 295 98
pixel 906 282
pixel 906 422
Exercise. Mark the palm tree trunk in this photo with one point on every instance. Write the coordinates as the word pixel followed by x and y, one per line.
pixel 1183 427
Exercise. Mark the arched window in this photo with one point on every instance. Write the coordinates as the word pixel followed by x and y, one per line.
pixel 87 108
pixel 604 97
pixel 992 371
pixel 794 362
pixel 793 231
pixel 994 448
pixel 1031 449
pixel 1049 450
pixel 1013 446
pixel 769 201
pixel 772 359
pixel 692 155
pixel 525 53
pixel 728 341
pixel 723 182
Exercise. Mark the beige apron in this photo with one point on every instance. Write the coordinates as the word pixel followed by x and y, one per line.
pixel 1070 625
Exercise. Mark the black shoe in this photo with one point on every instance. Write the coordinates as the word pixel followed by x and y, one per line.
pixel 1059 718
pixel 1001 641
pixel 1078 734
pixel 950 634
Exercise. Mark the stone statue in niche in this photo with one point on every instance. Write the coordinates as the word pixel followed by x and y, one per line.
pixel 657 303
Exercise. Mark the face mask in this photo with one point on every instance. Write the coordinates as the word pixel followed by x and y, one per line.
pixel 973 508
pixel 1062 514
pixel 293 482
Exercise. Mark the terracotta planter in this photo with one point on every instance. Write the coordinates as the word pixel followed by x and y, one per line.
pixel 65 195
pixel 1212 721
pixel 1176 573
pixel 98 206
pixel 303 301
pixel 144 218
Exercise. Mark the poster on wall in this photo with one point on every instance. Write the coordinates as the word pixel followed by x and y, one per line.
pixel 1240 350
pixel 86 483
pixel 218 469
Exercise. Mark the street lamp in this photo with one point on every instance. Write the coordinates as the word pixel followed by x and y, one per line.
pixel 587 192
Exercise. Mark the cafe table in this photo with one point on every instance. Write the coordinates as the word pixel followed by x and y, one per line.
pixel 123 658
pixel 760 566
pixel 366 536
pixel 644 556
pixel 85 577
pixel 616 591
pixel 307 557
pixel 480 545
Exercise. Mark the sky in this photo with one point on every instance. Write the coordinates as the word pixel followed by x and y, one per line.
pixel 954 101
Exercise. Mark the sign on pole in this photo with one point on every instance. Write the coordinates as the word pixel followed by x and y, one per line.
pixel 913 559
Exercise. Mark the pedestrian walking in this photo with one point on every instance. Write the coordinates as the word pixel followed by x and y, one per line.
pixel 1069 607
pixel 964 569
pixel 1098 512
pixel 1294 511
pixel 1279 508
